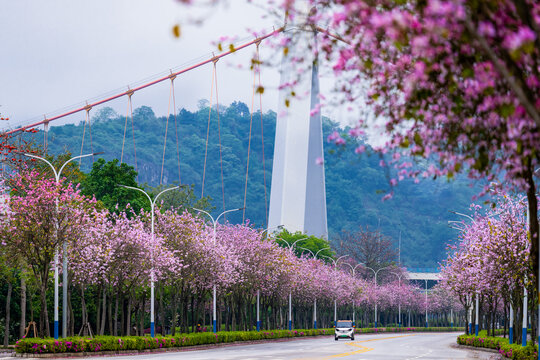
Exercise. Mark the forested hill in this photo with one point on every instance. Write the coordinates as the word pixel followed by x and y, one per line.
pixel 353 182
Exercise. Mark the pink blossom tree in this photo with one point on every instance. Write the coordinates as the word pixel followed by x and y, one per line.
pixel 34 229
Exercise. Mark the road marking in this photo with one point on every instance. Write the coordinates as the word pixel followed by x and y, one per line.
pixel 362 349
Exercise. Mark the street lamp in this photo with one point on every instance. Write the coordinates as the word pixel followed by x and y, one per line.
pixel 426 308
pixel 258 290
pixel 353 274
pixel 214 224
pixel 399 276
pixel 271 228
pixel 152 206
pixel 315 299
pixel 375 280
pixel 64 250
pixel 290 246
pixel 335 262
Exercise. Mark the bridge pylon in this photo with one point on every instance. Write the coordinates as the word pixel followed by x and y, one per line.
pixel 298 195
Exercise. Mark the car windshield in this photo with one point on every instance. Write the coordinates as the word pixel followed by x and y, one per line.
pixel 344 324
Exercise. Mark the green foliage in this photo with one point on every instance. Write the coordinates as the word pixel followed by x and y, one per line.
pixel 305 245
pixel 406 329
pixel 103 181
pixel 510 351
pixel 354 183
pixel 181 199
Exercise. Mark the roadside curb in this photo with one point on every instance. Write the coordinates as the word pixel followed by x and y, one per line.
pixel 468 347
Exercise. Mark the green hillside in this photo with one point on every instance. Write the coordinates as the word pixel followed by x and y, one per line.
pixel 354 182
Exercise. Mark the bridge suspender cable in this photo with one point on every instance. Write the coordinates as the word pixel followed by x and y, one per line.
pixel 219 140
pixel 259 89
pixel 166 131
pixel 176 129
pixel 125 126
pixel 83 134
pixel 88 119
pixel 249 139
pixel 214 82
pixel 208 128
pixel 133 135
pixel 129 113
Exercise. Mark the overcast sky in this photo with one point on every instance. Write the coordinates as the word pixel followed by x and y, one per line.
pixel 61 53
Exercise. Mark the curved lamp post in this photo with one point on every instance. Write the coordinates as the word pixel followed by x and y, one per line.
pixel 335 263
pixel 353 269
pixel 315 299
pixel 290 246
pixel 399 276
pixel 57 175
pixel 258 290
pixel 214 224
pixel 152 206
pixel 375 280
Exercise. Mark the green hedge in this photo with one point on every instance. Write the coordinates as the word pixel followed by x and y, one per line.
pixel 139 343
pixel 405 329
pixel 510 351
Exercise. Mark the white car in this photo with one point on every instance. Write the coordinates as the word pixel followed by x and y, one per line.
pixel 344 329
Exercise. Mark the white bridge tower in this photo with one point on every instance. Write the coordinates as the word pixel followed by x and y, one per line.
pixel 298 196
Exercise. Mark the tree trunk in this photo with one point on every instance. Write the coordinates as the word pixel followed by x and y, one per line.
pixel 104 312
pixel 141 325
pixel 8 313
pixel 71 319
pixel 161 310
pixel 110 317
pixel 115 329
pixel 22 326
pixel 84 313
pixel 174 312
pixel 533 220
pixel 98 307
pixel 128 317
pixel 44 326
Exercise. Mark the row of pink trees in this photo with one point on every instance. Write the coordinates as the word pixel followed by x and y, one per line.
pixel 491 260
pixel 112 258
pixel 454 81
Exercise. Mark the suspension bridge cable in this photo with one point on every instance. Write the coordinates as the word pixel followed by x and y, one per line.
pixel 148 84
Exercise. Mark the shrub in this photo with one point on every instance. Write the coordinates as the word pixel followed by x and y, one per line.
pixel 139 343
pixel 510 351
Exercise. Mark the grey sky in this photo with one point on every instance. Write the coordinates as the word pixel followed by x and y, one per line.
pixel 59 53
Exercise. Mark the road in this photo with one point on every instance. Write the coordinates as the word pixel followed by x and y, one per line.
pixel 423 346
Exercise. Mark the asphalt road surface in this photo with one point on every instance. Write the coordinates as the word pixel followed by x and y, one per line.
pixel 424 346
